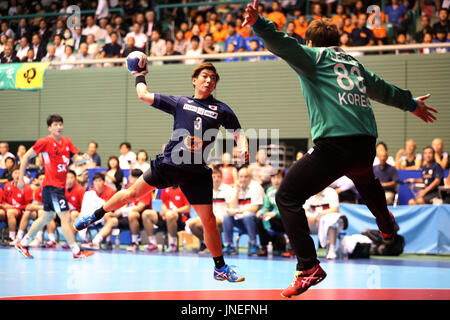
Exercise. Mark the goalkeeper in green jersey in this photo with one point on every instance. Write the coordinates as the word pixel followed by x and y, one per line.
pixel 337 88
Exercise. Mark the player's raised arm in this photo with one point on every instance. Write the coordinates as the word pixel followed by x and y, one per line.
pixel 300 57
pixel 137 64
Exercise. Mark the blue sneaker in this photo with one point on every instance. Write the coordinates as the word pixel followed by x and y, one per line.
pixel 226 273
pixel 253 250
pixel 84 222
pixel 229 249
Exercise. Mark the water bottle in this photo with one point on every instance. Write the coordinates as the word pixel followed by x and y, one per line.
pixel 116 234
pixel 342 252
pixel 270 249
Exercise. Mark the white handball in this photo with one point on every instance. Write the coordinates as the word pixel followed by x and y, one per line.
pixel 136 62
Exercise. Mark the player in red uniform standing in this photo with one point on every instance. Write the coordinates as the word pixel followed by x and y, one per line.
pixel 56 151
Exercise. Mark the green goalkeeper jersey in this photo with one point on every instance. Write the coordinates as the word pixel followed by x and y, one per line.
pixel 335 85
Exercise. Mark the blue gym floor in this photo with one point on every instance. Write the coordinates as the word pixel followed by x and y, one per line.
pixel 121 275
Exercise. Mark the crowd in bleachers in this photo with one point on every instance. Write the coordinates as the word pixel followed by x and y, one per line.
pixel 204 30
pixel 243 198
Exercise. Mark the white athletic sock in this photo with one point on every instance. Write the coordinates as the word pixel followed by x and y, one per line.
pixel 83 234
pixel 97 239
pixel 26 240
pixel 134 238
pixel 20 234
pixel 12 235
pixel 173 240
pixel 75 248
pixel 51 237
pixel 152 239
pixel 40 235
pixel 332 247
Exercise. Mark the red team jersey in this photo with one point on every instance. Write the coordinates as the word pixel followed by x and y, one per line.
pixel 75 197
pixel 2 195
pixel 146 199
pixel 38 196
pixel 107 193
pixel 15 197
pixel 174 199
pixel 56 157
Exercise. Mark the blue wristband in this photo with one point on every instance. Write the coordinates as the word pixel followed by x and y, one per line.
pixel 416 103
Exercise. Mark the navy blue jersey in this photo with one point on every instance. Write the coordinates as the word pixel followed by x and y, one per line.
pixel 431 172
pixel 195 127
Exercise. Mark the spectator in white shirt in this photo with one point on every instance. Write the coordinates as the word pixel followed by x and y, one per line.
pixel 158 46
pixel 93 47
pixel 4 153
pixel 127 158
pixel 102 33
pixel 141 163
pixel 139 37
pixel 194 51
pixel 68 57
pixel 59 46
pixel 22 52
pixel 91 27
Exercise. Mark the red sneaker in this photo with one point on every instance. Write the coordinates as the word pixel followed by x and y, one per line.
pixel 388 237
pixel 23 250
pixel 82 254
pixel 303 280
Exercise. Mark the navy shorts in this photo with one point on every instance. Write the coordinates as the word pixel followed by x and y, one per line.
pixel 194 180
pixel 54 199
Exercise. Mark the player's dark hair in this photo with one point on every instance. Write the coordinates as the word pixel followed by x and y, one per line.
pixel 136 173
pixel 98 175
pixel 54 118
pixel 322 33
pixel 72 172
pixel 208 66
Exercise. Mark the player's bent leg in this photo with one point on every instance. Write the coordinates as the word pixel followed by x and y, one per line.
pixel 12 215
pixel 121 198
pixel 149 219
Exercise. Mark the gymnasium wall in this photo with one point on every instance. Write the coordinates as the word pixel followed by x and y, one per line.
pixel 101 104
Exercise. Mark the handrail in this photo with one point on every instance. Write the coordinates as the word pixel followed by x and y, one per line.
pixel 256 54
pixel 51 14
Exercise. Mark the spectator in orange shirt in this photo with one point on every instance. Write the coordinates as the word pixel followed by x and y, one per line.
pixel 317 11
pixel 243 31
pixel 300 26
pixel 220 33
pixel 348 25
pixel 277 16
pixel 200 21
pixel 339 14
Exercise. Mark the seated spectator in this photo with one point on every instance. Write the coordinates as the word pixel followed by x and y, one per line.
pixel 194 51
pixel 32 211
pixel 340 14
pixel 23 30
pixel 445 194
pixel 139 37
pixel 346 190
pixel 81 169
pixel 381 146
pixel 3 40
pixel 8 56
pixel 210 47
pixel 407 159
pixel 348 25
pixel 4 153
pixel 300 26
pixel 397 14
pixel 110 30
pixel 83 54
pixel 114 176
pixel 248 197
pixel 432 175
pixel 361 35
pixel 59 46
pixel 324 219
pixel 77 38
pixel 59 29
pixel 426 28
pixel 170 51
pixel 180 44
pixel 91 27
pixel 102 33
pixel 51 57
pixel 442 25
pixel 222 196
pixel 441 37
pixel 130 47
pixel 242 30
pixel 15 202
pixel 290 31
pixel 440 156
pixel 158 46
pixel 6 30
pixel 254 47
pixel 317 11
pixel 379 34
pixel 268 218
pixel 359 8
pixel 120 26
pixel 94 156
pixel 345 41
pixel 130 214
pixel 7 174
pixel 23 48
pixel 401 40
pixel 195 31
pixel 101 193
pixel 151 23
pixel 230 49
pixel 127 157
pixel 261 170
pixel 234 38
pixel 228 170
pixel 428 38
pixel 277 16
pixel 174 213
pixel 111 49
pixel 93 47
pixel 29 57
pixel 388 177
pixel 68 57
pixel 220 33
pixel 142 161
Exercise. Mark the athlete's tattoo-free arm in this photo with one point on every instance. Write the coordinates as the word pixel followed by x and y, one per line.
pixel 144 94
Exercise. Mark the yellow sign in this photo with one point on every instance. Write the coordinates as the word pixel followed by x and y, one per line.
pixel 31 75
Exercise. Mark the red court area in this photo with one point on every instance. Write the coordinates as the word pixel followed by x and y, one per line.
pixel 313 294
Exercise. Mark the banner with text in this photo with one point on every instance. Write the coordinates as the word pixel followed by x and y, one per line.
pixel 23 76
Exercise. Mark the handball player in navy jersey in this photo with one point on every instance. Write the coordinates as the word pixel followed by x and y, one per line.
pixel 196 123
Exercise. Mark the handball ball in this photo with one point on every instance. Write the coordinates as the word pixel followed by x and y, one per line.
pixel 136 62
